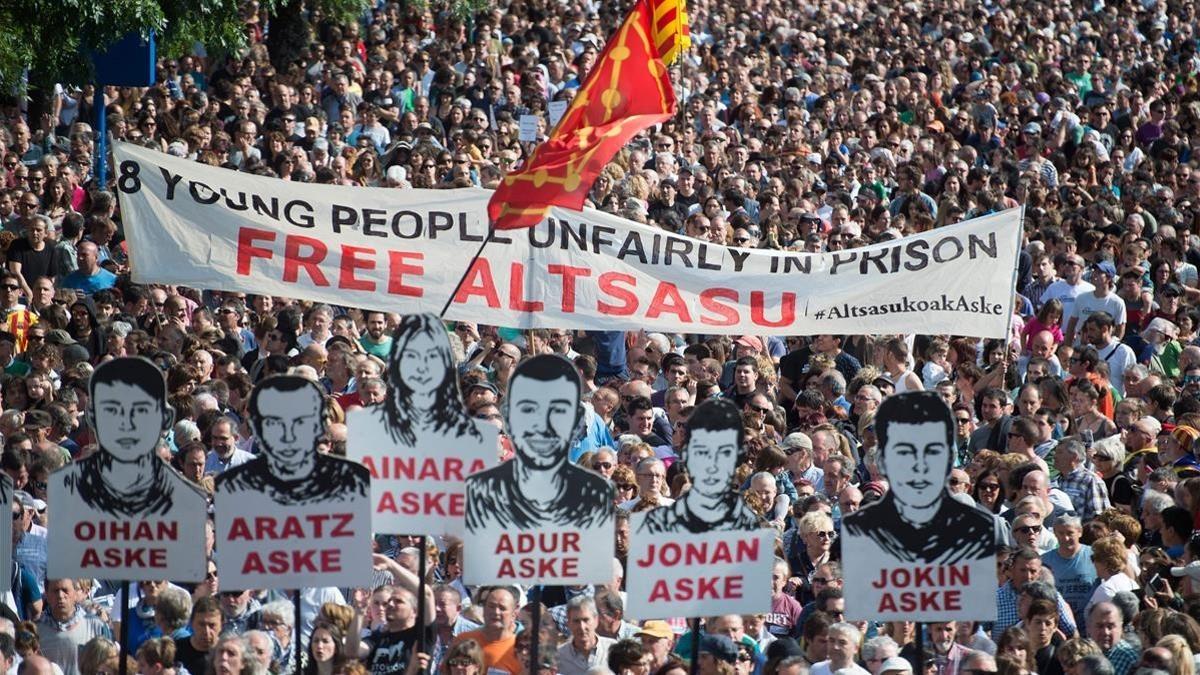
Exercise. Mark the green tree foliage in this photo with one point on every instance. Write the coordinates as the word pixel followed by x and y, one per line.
pixel 51 38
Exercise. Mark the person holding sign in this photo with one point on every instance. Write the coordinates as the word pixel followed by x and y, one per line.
pixel 715 435
pixel 292 516
pixel 539 518
pixel 920 552
pixel 149 518
pixel 420 444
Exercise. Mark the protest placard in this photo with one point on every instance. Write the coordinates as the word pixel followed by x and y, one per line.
pixel 556 109
pixel 706 554
pixel 420 445
pixel 539 519
pixel 123 513
pixel 919 554
pixel 292 517
pixel 405 251
pixel 528 131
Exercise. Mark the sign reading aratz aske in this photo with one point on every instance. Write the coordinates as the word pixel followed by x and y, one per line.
pixel 420 445
pixel 538 518
pixel 708 553
pixel 405 250
pixel 919 554
pixel 292 517
pixel 122 513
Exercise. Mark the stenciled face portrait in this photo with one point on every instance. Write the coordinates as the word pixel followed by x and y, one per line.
pixel 421 366
pixel 289 423
pixel 128 420
pixel 541 418
pixel 916 462
pixel 711 460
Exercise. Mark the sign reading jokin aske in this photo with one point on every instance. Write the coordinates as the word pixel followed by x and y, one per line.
pixel 6 538
pixel 537 518
pixel 420 445
pixel 706 554
pixel 919 554
pixel 122 513
pixel 292 517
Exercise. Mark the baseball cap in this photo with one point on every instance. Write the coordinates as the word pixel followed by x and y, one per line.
pixel 796 441
pixel 1162 326
pixel 657 629
pixel 1172 290
pixel 895 665
pixel 1105 267
pixel 720 646
pixel 1032 128
pixel 1153 423
pixel 750 341
pixel 483 384
pixel 24 499
pixel 59 336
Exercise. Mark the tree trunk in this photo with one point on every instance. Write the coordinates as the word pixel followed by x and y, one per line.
pixel 288 36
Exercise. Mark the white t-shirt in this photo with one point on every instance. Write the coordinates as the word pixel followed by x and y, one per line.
pixel 1066 293
pixel 1088 304
pixel 1119 356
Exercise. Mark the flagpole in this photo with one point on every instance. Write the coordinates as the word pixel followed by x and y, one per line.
pixel 463 278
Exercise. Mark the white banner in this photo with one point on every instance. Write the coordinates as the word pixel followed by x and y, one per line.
pixel 405 250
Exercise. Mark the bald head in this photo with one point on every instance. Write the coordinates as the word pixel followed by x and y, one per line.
pixel 1042 345
pixel 35 664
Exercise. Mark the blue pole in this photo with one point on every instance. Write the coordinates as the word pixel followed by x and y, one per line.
pixel 100 161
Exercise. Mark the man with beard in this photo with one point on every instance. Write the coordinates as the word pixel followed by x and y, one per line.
pixel 376 341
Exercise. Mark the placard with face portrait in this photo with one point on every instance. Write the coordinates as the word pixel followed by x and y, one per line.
pixel 420 444
pixel 708 553
pixel 538 518
pixel 292 516
pixel 919 554
pixel 122 512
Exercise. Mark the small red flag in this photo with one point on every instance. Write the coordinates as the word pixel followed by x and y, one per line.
pixel 628 90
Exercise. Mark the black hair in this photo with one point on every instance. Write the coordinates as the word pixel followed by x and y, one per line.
pixel 284 384
pixel 1177 519
pixel 715 414
pixel 447 411
pixel 134 371
pixel 916 407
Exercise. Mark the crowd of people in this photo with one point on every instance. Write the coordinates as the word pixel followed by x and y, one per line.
pixel 804 126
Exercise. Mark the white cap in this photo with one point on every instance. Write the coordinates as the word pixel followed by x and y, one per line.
pixel 895 664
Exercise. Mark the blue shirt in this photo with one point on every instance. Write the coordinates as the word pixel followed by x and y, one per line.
pixel 89 284
pixel 1074 578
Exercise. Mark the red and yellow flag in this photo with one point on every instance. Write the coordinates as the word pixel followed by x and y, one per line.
pixel 628 90
pixel 671 32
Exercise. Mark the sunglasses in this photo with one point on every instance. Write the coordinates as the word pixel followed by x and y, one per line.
pixel 826 535
pixel 624 486
pixel 989 486
pixel 17 514
pixel 602 465
pixel 1029 529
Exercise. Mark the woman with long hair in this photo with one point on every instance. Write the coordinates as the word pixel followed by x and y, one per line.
pixel 988 491
pixel 425 403
pixel 464 658
pixel 326 650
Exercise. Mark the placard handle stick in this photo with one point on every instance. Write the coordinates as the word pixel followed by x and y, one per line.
pixel 535 625
pixel 421 574
pixel 694 666
pixel 921 646
pixel 297 631
pixel 123 666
